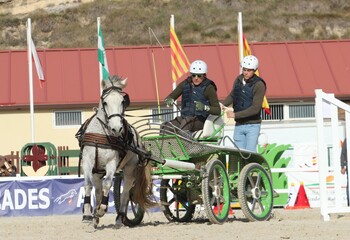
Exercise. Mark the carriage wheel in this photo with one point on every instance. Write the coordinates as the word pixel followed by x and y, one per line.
pixel 176 207
pixel 216 192
pixel 255 192
pixel 134 214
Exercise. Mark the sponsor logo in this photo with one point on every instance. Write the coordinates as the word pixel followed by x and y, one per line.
pixel 67 196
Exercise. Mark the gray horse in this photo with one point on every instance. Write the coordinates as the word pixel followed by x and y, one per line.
pixel 107 142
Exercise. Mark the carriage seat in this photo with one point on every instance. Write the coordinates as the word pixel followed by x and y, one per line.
pixel 212 130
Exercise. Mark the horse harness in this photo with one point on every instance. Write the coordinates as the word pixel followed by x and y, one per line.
pixel 122 143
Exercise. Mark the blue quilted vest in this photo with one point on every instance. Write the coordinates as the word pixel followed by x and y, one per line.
pixel 192 93
pixel 243 94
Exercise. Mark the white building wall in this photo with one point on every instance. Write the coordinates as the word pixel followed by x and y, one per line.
pixel 292 132
pixel 15 128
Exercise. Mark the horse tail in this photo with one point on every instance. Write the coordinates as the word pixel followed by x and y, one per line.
pixel 142 193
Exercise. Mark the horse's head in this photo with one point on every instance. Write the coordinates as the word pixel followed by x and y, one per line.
pixel 113 103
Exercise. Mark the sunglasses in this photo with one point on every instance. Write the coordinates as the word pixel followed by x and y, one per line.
pixel 198 75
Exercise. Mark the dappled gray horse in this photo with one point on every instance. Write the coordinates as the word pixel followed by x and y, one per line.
pixel 107 142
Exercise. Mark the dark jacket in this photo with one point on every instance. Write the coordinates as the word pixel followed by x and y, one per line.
pixel 207 92
pixel 192 94
pixel 247 99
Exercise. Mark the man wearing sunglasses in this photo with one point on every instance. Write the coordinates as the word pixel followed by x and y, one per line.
pixel 199 99
pixel 246 98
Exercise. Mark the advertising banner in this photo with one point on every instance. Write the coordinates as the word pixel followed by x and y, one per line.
pixel 44 197
pixel 305 159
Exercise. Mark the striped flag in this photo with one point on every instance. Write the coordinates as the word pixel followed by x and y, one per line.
pixel 102 58
pixel 179 60
pixel 246 52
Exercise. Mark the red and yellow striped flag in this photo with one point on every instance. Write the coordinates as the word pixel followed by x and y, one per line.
pixel 179 60
pixel 246 52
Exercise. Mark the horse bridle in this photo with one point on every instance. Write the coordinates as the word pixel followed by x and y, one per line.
pixel 126 103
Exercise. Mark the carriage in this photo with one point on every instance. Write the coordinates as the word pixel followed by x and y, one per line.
pixel 193 169
pixel 202 170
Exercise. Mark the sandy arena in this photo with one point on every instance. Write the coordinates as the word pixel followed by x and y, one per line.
pixel 285 224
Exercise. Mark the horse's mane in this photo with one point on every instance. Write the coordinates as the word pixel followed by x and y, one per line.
pixel 114 80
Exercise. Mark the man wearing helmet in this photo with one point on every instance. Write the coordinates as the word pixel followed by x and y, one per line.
pixel 199 99
pixel 246 98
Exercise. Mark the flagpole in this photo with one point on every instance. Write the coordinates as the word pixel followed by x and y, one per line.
pixel 30 76
pixel 240 40
pixel 172 23
pixel 150 32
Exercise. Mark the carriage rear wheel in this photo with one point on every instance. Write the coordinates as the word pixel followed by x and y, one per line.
pixel 255 192
pixel 134 214
pixel 173 195
pixel 216 192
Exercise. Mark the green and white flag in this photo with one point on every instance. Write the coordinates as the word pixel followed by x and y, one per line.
pixel 102 58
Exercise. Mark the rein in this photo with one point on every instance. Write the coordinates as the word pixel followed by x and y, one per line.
pixel 157 114
pixel 151 115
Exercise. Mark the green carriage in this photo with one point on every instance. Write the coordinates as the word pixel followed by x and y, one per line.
pixel 205 169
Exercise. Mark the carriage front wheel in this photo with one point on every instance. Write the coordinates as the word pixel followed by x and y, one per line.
pixel 255 192
pixel 134 213
pixel 173 195
pixel 216 192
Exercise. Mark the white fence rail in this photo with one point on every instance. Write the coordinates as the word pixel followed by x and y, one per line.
pixel 327 107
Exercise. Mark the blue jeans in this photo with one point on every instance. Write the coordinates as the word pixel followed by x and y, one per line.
pixel 246 136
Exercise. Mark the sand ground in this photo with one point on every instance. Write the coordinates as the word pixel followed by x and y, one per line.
pixel 285 224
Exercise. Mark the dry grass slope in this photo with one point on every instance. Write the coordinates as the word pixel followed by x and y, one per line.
pixel 72 24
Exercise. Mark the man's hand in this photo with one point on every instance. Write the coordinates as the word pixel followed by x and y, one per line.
pixel 223 107
pixel 343 170
pixel 169 102
pixel 201 107
pixel 230 114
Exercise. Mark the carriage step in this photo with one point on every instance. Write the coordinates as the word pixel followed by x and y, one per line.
pixel 156 177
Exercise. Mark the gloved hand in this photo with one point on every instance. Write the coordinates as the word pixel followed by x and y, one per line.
pixel 169 102
pixel 201 107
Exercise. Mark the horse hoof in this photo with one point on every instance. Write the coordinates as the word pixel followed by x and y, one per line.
pixel 100 212
pixel 96 221
pixel 87 218
pixel 118 226
pixel 119 221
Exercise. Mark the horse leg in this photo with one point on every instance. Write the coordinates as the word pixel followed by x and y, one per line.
pixel 87 208
pixel 97 180
pixel 103 197
pixel 129 179
pixel 101 200
pixel 88 162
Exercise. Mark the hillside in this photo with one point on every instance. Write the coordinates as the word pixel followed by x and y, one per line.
pixel 72 24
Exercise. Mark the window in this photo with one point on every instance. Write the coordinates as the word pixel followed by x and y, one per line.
pixel 166 115
pixel 68 118
pixel 276 113
pixel 302 111
pixel 291 111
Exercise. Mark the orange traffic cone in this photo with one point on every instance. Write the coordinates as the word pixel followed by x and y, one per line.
pixel 215 210
pixel 301 201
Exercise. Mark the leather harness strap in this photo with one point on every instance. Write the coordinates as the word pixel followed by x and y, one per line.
pixel 103 141
pixel 122 144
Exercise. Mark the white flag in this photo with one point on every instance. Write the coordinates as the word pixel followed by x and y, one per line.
pixel 38 67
